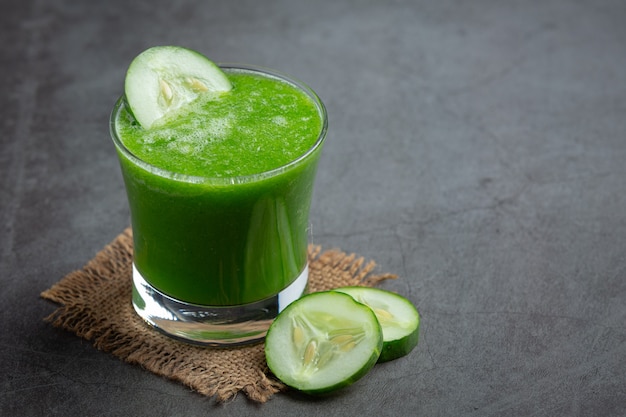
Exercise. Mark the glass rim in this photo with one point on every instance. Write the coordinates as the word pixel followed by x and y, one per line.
pixel 229 180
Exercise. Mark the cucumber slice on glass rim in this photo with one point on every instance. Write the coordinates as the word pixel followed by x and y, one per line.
pixel 162 79
pixel 397 316
pixel 322 342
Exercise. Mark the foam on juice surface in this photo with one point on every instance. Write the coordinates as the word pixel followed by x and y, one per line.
pixel 261 124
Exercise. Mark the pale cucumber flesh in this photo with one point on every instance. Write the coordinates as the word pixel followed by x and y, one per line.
pixel 398 317
pixel 322 342
pixel 163 79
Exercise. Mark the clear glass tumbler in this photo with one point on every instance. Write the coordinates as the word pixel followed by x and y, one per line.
pixel 216 259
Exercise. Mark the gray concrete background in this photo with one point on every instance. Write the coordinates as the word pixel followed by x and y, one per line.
pixel 477 149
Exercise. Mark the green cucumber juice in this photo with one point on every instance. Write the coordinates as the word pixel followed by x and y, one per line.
pixel 219 192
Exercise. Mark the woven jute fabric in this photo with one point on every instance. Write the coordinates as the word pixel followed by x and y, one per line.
pixel 95 304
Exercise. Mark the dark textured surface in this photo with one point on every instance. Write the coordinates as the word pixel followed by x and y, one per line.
pixel 477 149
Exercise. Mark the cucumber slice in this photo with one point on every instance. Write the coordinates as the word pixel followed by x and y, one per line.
pixel 398 318
pixel 162 79
pixel 322 342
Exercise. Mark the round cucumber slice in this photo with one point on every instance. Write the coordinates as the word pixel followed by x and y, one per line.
pixel 162 79
pixel 398 318
pixel 322 342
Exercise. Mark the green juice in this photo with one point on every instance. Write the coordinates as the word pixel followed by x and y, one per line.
pixel 219 193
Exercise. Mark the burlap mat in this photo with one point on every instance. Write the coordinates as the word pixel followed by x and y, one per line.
pixel 95 305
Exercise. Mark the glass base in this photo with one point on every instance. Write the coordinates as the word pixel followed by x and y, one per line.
pixel 207 325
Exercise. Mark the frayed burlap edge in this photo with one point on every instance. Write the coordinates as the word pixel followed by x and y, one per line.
pixel 95 305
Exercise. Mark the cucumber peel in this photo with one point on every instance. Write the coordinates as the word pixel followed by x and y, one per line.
pixel 322 342
pixel 398 318
pixel 163 79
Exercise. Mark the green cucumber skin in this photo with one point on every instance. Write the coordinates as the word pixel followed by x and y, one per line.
pixel 398 348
